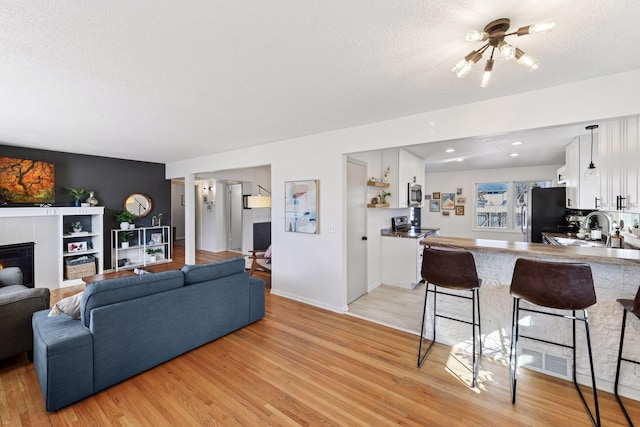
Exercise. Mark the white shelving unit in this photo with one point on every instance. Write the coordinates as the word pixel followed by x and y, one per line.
pixel 142 238
pixel 90 237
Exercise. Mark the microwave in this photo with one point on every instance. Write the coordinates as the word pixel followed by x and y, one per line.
pixel 415 194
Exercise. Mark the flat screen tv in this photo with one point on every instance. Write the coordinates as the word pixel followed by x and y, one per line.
pixel 26 182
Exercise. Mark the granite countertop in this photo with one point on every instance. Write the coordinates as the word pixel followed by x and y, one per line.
pixel 412 234
pixel 579 253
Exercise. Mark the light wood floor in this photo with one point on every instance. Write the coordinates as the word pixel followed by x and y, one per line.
pixel 302 365
pixel 391 306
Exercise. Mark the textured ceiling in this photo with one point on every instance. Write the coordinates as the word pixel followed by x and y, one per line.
pixel 169 80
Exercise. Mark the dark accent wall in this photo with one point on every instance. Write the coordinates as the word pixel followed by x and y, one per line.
pixel 112 180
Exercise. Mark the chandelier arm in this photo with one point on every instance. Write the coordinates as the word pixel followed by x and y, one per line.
pixel 483 48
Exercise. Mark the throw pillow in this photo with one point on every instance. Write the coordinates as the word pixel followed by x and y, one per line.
pixel 69 306
pixel 267 254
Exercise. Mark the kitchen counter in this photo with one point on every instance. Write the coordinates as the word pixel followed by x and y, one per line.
pixel 419 233
pixel 578 253
pixel 616 274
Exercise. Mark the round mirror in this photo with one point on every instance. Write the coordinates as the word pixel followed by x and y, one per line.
pixel 138 204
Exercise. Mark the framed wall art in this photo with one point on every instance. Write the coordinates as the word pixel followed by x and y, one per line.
pixel 447 201
pixel 436 195
pixel 301 206
pixel 459 210
pixel 434 206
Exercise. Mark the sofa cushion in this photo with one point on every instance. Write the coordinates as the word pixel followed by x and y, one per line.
pixel 111 291
pixel 215 270
pixel 10 276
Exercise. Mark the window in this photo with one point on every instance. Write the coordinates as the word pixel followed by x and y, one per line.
pixel 499 204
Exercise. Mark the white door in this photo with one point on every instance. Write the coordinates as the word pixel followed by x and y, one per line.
pixel 356 230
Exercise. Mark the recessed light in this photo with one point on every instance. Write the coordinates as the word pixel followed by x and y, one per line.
pixel 516 143
pixel 459 160
pixel 514 154
pixel 449 150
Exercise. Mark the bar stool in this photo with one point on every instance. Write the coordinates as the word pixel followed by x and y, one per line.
pixel 632 306
pixel 454 270
pixel 557 285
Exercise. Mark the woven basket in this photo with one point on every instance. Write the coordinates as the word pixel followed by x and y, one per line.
pixel 80 270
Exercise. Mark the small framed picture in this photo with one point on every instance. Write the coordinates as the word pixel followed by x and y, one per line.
pixel 459 210
pixel 427 196
pixel 448 201
pixel 458 191
pixel 436 195
pixel 156 238
pixel 77 247
pixel 434 206
pixel 446 213
pixel 461 201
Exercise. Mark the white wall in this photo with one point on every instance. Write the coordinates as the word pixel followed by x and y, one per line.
pixel 462 225
pixel 311 268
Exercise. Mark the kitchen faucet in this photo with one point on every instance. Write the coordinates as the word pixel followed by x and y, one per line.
pixel 609 224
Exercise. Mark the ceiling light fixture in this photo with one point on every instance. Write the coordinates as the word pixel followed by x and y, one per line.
pixel 591 172
pixel 514 154
pixel 516 143
pixel 450 150
pixel 494 34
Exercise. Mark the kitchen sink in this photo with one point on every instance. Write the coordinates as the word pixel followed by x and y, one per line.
pixel 567 241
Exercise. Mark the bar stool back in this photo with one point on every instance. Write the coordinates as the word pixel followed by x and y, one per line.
pixel 628 306
pixel 453 270
pixel 558 285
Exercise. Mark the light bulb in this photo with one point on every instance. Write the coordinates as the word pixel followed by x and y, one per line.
pixel 487 73
pixel 476 36
pixel 527 60
pixel 543 27
pixel 465 69
pixel 507 51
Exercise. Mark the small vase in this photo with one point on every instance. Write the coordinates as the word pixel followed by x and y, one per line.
pixel 92 200
pixel 124 226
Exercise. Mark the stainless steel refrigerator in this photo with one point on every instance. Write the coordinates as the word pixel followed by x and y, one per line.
pixel 544 210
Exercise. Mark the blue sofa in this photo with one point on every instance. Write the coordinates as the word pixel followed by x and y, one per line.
pixel 131 324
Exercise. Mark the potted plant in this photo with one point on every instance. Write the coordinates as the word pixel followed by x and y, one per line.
pixel 124 237
pixel 125 218
pixel 77 195
pixel 152 253
pixel 383 196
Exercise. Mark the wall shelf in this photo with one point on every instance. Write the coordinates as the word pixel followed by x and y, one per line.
pixel 378 205
pixel 377 184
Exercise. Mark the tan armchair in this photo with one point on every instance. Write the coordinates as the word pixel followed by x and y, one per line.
pixel 260 261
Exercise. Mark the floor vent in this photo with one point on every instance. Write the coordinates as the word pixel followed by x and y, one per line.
pixel 546 363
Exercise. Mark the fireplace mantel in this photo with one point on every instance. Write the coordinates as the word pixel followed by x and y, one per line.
pixel 16 212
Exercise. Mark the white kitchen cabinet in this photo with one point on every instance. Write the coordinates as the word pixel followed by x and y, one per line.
pixel 581 193
pixel 619 166
pixel 405 168
pixel 401 261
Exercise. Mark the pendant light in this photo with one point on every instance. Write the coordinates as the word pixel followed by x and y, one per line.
pixel 591 172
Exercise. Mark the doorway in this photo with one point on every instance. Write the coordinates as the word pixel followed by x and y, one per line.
pixel 356 230
pixel 234 194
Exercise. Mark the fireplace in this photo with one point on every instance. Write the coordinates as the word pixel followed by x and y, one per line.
pixel 19 255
